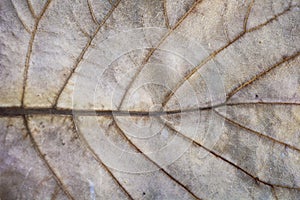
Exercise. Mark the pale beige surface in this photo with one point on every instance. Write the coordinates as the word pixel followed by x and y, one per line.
pixel 140 99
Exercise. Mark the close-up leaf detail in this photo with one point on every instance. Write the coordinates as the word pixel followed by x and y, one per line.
pixel 150 99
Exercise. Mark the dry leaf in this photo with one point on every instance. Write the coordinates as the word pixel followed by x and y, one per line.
pixel 111 99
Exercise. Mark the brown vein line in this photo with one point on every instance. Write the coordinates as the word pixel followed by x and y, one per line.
pixel 207 59
pixel 154 49
pixel 18 111
pixel 187 13
pixel 20 19
pixel 166 15
pixel 92 12
pixel 31 9
pixel 274 193
pixel 111 3
pixel 215 53
pixel 227 161
pixel 83 31
pixel 263 73
pixel 78 25
pixel 29 50
pixel 80 57
pixel 263 103
pixel 152 161
pixel 97 158
pixel 55 193
pixel 271 19
pixel 36 147
pixel 194 70
pixel 255 132
pixel 247 15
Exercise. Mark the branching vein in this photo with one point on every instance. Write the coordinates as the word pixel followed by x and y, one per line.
pixel 152 161
pixel 92 12
pixel 97 158
pixel 31 9
pixel 227 161
pixel 263 73
pixel 29 50
pixel 148 56
pixel 256 132
pixel 215 53
pixel 20 19
pixel 36 147
pixel 80 57
pixel 17 111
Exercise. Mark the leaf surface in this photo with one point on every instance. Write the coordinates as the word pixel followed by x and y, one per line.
pixel 162 99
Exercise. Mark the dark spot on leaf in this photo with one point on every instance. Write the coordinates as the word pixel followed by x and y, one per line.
pixel 42 125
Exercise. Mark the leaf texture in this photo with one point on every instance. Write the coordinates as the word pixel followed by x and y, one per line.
pixel 114 99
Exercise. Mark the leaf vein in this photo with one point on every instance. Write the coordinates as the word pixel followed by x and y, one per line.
pixel 80 57
pixel 20 19
pixel 31 9
pixel 262 74
pixel 152 161
pixel 215 53
pixel 92 12
pixel 37 149
pixel 29 50
pixel 167 21
pixel 148 56
pixel 19 111
pixel 256 132
pixel 227 161
pixel 97 158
